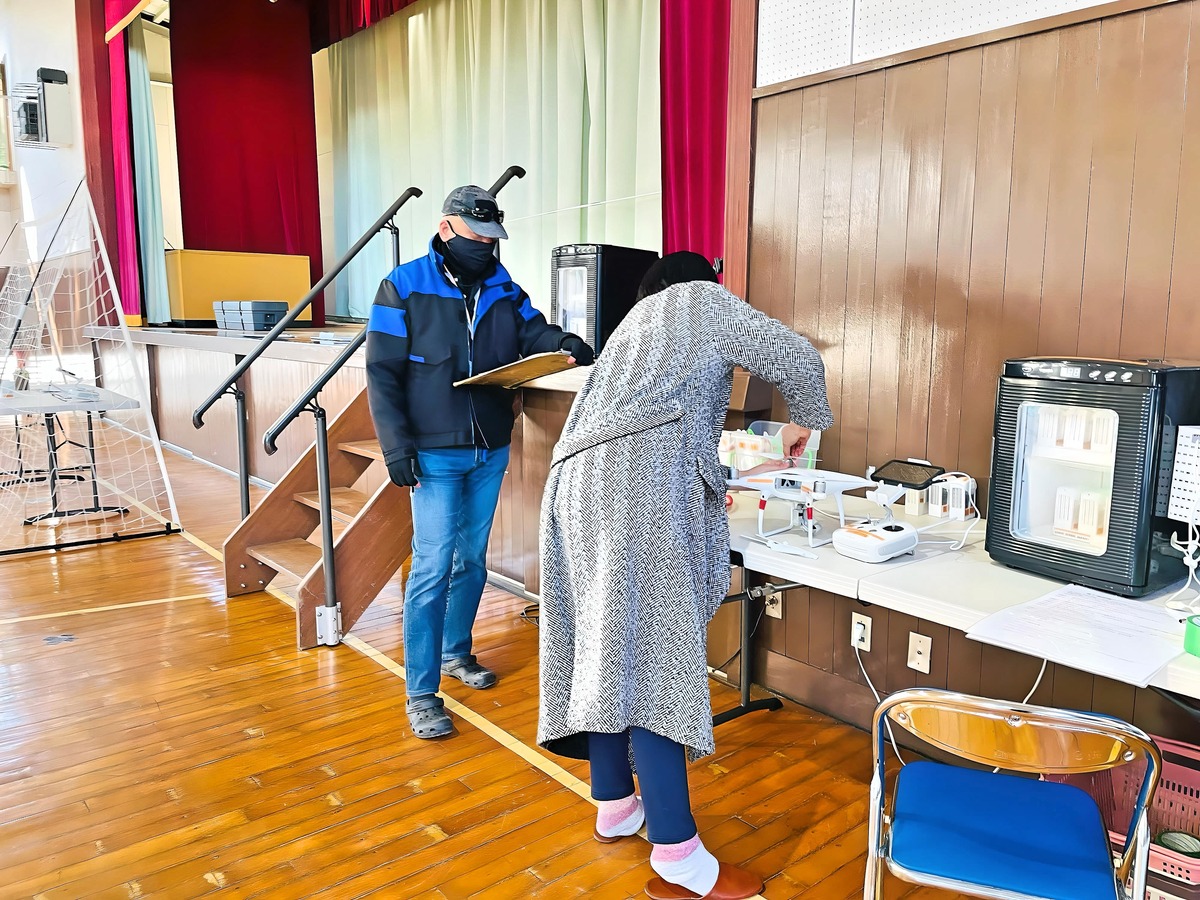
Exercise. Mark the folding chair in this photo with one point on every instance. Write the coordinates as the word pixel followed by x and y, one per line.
pixel 1001 835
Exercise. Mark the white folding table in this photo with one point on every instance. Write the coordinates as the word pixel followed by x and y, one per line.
pixel 50 402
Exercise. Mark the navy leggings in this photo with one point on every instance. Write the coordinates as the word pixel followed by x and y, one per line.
pixel 662 775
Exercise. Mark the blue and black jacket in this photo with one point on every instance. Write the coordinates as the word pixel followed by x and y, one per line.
pixel 420 340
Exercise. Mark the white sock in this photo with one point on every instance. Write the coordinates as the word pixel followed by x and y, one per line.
pixel 688 865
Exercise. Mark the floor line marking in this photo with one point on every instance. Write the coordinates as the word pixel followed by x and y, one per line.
pixel 93 609
pixel 495 732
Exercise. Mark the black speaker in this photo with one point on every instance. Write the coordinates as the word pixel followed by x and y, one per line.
pixel 593 286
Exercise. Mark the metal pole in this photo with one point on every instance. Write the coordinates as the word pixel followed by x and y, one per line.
pixel 243 437
pixel 747 639
pixel 747 705
pixel 331 633
pixel 392 227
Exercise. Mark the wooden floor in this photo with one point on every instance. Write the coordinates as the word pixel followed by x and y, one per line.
pixel 157 740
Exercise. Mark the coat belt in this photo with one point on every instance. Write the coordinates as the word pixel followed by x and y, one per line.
pixel 574 444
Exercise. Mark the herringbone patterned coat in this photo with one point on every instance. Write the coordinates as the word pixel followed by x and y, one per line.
pixel 634 535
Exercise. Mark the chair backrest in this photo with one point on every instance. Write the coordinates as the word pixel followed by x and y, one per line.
pixel 1024 738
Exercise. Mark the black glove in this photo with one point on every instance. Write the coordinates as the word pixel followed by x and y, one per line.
pixel 579 349
pixel 405 471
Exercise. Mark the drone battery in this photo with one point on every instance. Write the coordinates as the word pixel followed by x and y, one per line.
pixel 916 503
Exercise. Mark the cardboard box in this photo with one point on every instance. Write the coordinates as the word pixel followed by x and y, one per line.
pixel 750 393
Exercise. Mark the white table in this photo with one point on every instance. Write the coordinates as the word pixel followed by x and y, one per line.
pixel 955 588
pixel 50 402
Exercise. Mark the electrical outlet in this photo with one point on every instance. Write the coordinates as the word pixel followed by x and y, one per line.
pixel 774 607
pixel 860 632
pixel 919 648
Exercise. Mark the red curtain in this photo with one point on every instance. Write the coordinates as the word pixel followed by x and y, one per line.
pixel 333 20
pixel 695 82
pixel 246 128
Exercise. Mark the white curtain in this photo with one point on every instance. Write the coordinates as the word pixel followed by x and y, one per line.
pixel 147 183
pixel 451 92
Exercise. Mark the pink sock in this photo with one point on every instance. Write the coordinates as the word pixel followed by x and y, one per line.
pixel 619 817
pixel 675 852
pixel 688 864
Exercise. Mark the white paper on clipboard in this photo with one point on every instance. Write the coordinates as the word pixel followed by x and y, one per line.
pixel 1089 630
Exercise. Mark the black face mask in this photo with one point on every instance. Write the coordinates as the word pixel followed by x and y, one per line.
pixel 468 259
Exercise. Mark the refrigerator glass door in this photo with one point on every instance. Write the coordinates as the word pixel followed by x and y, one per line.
pixel 1063 477
pixel 572 295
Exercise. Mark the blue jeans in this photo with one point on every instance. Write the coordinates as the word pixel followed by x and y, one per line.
pixel 662 776
pixel 452 513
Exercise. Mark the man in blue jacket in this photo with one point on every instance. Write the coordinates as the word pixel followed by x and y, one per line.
pixel 436 320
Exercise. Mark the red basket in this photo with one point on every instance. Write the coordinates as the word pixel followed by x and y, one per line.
pixel 1176 807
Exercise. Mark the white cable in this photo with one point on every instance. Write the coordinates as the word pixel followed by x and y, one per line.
pixel 1191 560
pixel 878 699
pixel 1032 691
pixel 1036 684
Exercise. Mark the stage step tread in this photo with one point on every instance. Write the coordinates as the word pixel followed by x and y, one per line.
pixel 369 449
pixel 346 502
pixel 295 557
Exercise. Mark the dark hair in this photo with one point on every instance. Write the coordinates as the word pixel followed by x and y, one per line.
pixel 675 268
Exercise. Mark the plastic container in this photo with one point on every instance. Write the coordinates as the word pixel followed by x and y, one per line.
pixel 1176 807
pixel 771 430
pixel 760 443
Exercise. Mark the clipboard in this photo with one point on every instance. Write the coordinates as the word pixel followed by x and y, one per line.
pixel 517 373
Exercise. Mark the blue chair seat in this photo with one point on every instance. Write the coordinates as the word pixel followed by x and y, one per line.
pixel 1039 838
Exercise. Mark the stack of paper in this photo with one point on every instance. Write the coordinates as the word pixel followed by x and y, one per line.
pixel 1089 630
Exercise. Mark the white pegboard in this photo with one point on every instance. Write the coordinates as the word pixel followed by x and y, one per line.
pixel 803 37
pixel 1185 479
pixel 799 37
pixel 884 27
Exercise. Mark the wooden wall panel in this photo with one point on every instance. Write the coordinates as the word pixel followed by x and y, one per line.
pixel 795 623
pixel 1036 195
pixel 1183 312
pixel 1028 196
pixel 959 150
pixel 1160 103
pixel 185 378
pixel 506 554
pixel 781 274
pixel 889 272
pixel 810 214
pixel 1037 61
pixel 863 233
pixel 1070 139
pixel 989 249
pixel 545 413
pixel 924 138
pixel 835 246
pixel 1115 144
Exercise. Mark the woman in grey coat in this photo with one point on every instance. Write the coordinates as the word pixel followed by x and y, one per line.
pixel 635 555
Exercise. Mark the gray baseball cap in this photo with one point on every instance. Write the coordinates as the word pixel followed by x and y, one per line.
pixel 484 216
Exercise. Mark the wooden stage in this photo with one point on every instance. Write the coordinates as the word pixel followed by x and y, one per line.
pixel 160 741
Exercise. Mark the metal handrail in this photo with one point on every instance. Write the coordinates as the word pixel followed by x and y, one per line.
pixel 230 385
pixel 301 405
pixel 509 174
pixel 329 624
